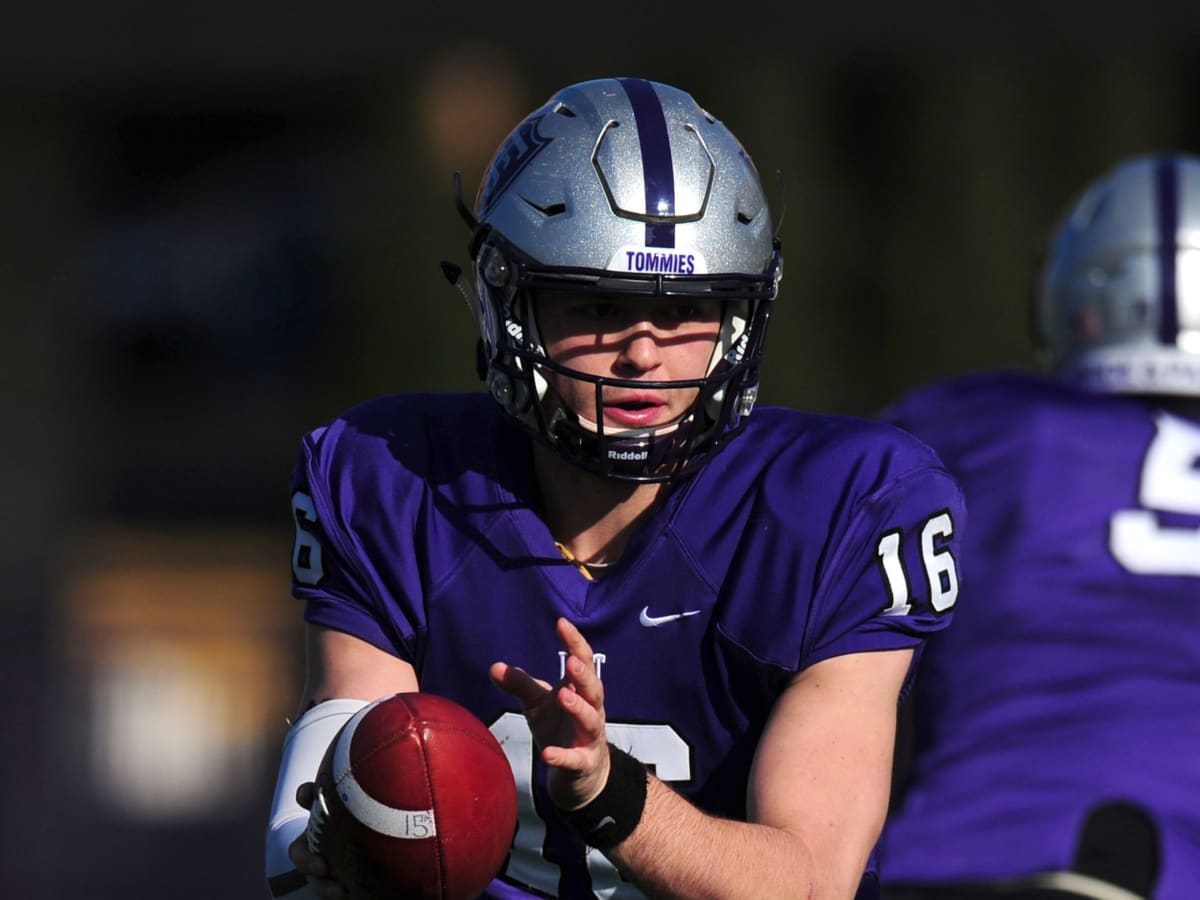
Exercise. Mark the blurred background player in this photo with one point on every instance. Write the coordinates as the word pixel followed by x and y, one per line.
pixel 1057 730
pixel 717 612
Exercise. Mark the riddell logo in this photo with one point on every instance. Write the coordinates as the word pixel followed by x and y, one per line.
pixel 628 454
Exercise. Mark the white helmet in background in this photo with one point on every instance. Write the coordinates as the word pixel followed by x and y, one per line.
pixel 1118 303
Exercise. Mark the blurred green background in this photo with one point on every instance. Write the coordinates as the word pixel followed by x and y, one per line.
pixel 223 225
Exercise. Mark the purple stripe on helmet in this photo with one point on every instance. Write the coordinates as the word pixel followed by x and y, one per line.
pixel 657 170
pixel 1166 190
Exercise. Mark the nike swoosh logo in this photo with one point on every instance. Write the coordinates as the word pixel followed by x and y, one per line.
pixel 654 621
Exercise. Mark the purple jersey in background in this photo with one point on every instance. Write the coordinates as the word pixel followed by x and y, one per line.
pixel 1071 676
pixel 806 537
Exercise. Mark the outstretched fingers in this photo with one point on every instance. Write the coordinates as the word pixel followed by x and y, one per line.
pixel 581 675
pixel 567 720
pixel 516 681
pixel 581 697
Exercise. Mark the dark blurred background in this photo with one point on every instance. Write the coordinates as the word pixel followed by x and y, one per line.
pixel 223 225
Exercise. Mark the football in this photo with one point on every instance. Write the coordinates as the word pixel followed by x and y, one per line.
pixel 414 798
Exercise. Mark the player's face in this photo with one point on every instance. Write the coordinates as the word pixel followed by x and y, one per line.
pixel 638 339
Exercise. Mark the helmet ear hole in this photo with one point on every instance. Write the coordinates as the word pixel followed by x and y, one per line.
pixel 510 393
pixel 495 269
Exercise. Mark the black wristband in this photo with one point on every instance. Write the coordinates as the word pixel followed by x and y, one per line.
pixel 615 812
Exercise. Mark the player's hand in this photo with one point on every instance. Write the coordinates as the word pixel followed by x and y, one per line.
pixel 313 865
pixel 567 720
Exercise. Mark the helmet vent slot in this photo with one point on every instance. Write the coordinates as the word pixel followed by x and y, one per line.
pixel 550 210
pixel 563 110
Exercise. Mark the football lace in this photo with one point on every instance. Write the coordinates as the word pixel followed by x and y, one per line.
pixel 316 821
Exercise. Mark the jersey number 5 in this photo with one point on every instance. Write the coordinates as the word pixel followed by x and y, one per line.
pixel 1170 483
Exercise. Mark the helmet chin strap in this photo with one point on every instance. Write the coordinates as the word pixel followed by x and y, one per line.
pixel 632 453
pixel 633 433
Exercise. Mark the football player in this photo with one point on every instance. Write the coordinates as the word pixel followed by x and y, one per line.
pixel 697 621
pixel 1056 732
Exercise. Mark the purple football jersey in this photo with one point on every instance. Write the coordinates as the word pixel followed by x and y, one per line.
pixel 806 537
pixel 1071 676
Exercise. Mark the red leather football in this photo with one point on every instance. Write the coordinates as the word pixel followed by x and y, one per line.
pixel 414 799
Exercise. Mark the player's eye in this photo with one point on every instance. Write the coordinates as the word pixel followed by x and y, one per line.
pixel 591 311
pixel 686 312
pixel 604 312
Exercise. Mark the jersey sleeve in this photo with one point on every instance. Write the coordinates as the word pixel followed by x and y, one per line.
pixel 330 571
pixel 894 577
pixel 844 541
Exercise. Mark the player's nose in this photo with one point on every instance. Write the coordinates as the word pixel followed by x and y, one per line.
pixel 640 348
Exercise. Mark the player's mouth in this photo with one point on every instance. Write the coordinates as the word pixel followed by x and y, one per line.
pixel 640 411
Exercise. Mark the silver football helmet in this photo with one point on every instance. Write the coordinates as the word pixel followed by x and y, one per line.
pixel 1118 303
pixel 621 187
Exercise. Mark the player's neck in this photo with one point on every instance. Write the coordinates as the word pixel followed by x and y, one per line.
pixel 593 517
